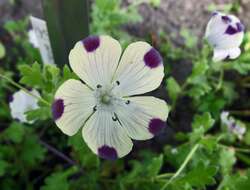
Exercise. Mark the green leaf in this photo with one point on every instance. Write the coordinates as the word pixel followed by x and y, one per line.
pixel 226 160
pixel 199 177
pixel 15 132
pixel 3 166
pixel 32 150
pixel 31 75
pixel 2 51
pixel 190 39
pixel 205 120
pixel 173 88
pixel 155 166
pixel 82 152
pixel 58 180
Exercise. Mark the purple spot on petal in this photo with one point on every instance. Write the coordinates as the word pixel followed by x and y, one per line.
pixel 91 43
pixel 226 19
pixel 152 58
pixel 156 125
pixel 57 109
pixel 231 30
pixel 240 27
pixel 215 13
pixel 107 152
pixel 10 98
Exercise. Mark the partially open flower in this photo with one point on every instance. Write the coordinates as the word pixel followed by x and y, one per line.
pixel 225 34
pixel 232 125
pixel 21 103
pixel 105 106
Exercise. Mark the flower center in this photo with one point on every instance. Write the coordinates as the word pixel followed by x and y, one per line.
pixel 105 99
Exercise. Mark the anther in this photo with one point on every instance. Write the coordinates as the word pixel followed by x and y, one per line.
pixel 118 82
pixel 98 86
pixel 94 108
pixel 127 102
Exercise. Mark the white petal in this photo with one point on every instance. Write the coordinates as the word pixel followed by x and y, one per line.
pixel 140 70
pixel 95 59
pixel 23 103
pixel 221 54
pixel 106 137
pixel 224 31
pixel 143 117
pixel 73 104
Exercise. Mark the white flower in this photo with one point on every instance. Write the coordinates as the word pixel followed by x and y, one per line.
pixel 33 39
pixel 105 106
pixel 225 33
pixel 232 125
pixel 22 103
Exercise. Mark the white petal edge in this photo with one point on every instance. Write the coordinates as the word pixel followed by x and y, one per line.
pixel 134 75
pixel 98 66
pixel 221 54
pixel 78 102
pixel 136 116
pixel 101 130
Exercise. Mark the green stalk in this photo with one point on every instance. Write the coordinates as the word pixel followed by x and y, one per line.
pixel 183 165
pixel 25 90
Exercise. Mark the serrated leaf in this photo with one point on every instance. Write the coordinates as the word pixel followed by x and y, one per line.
pixel 199 177
pixel 32 150
pixel 31 75
pixel 205 120
pixel 14 132
pixel 58 180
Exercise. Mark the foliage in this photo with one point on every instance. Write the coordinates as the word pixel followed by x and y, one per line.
pixel 38 156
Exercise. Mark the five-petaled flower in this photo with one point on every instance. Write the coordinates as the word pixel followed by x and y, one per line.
pixel 105 106
pixel 225 33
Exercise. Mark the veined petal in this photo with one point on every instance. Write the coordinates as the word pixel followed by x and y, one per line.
pixel 95 59
pixel 105 136
pixel 140 70
pixel 73 104
pixel 143 116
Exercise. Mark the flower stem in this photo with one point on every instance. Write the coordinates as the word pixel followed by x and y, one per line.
pixel 183 165
pixel 25 90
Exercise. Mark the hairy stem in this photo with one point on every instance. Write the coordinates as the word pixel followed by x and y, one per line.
pixel 25 90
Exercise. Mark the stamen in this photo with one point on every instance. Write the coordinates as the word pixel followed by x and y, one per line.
pixel 114 118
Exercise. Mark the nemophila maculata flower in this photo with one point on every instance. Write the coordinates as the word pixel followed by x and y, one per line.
pixel 105 106
pixel 232 125
pixel 225 34
pixel 20 103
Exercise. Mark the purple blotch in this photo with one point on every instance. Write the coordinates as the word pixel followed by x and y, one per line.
pixel 240 27
pixel 214 13
pixel 231 30
pixel 10 98
pixel 91 43
pixel 156 125
pixel 107 152
pixel 226 19
pixel 57 109
pixel 152 58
